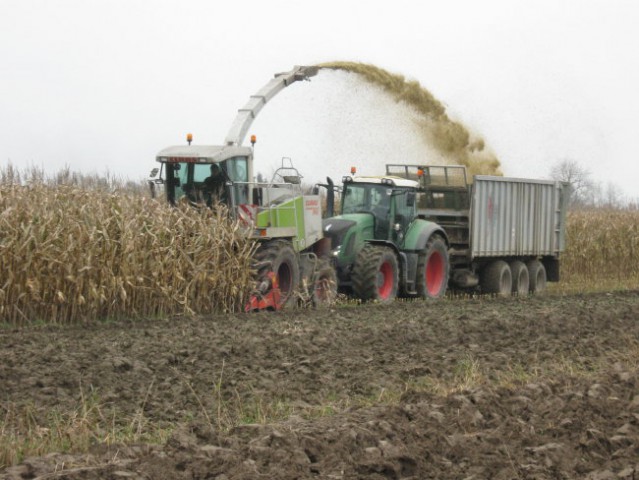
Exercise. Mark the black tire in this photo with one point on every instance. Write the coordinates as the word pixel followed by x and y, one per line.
pixel 324 285
pixel 376 274
pixel 279 258
pixel 521 279
pixel 433 266
pixel 496 278
pixel 537 273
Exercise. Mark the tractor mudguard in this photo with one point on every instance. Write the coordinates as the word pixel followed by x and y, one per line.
pixel 415 241
pixel 418 234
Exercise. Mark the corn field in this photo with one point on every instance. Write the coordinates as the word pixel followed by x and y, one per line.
pixel 601 244
pixel 70 254
pixel 78 249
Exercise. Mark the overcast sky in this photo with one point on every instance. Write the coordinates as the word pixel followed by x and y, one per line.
pixel 104 85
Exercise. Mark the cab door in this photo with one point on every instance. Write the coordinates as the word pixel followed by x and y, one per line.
pixel 403 213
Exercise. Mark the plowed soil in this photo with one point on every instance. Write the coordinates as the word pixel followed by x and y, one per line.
pixel 536 388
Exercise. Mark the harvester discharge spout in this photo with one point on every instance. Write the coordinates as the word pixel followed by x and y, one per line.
pixel 248 112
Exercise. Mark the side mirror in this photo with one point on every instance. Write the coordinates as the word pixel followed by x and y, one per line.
pixel 154 172
pixel 410 199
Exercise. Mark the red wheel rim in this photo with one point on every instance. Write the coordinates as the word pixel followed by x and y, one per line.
pixel 385 280
pixel 434 273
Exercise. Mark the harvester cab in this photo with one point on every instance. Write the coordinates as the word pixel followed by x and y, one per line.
pixel 188 168
pixel 207 174
pixel 285 222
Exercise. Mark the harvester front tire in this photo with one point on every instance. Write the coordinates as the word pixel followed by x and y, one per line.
pixel 433 266
pixel 496 279
pixel 521 278
pixel 280 258
pixel 376 274
pixel 537 273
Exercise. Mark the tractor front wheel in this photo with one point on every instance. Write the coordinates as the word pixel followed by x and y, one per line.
pixel 376 274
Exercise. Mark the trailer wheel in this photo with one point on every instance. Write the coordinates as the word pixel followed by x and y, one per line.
pixel 537 273
pixel 433 269
pixel 496 278
pixel 521 280
pixel 375 274
pixel 278 273
pixel 324 285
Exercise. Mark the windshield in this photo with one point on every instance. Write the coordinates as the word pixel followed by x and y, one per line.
pixel 389 206
pixel 365 198
pixel 193 181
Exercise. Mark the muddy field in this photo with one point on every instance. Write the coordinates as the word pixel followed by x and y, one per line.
pixel 462 389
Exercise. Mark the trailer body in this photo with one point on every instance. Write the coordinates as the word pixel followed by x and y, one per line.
pixel 498 228
pixel 513 217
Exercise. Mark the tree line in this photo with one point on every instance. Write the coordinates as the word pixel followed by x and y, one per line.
pixel 587 193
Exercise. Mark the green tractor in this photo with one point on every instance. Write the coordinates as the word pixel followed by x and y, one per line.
pixel 379 246
pixel 422 228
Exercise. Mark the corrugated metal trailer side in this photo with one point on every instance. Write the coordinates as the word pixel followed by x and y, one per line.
pixel 517 217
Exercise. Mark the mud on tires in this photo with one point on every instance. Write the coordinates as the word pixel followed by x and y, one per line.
pixel 537 274
pixel 376 274
pixel 521 279
pixel 324 285
pixel 496 278
pixel 433 269
pixel 280 258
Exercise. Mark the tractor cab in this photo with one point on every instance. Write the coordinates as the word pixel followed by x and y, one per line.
pixel 390 201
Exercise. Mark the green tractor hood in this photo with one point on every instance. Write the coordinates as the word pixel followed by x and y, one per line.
pixel 348 233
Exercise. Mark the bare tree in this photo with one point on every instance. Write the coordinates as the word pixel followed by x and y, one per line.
pixel 570 171
pixel 614 197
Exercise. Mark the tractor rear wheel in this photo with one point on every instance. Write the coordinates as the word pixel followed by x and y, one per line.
pixel 278 273
pixel 496 278
pixel 376 274
pixel 521 279
pixel 432 269
pixel 324 285
pixel 537 273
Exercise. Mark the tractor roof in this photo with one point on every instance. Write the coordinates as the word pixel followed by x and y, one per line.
pixel 383 180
